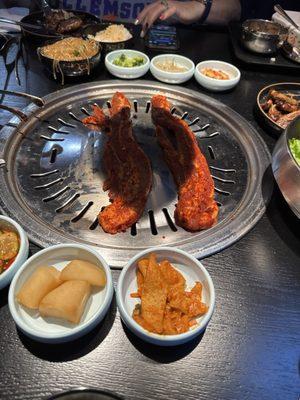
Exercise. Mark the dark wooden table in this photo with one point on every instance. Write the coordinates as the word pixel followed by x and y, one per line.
pixel 250 349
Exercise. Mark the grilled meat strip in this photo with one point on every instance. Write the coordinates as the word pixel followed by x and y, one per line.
pixel 129 175
pixel 278 96
pixel 196 208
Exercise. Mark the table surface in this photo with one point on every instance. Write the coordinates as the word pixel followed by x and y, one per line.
pixel 250 349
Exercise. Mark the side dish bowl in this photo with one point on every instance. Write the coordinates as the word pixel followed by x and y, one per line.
pixel 286 170
pixel 292 88
pixel 191 269
pixel 7 276
pixel 52 330
pixel 75 68
pixel 127 72
pixel 172 77
pixel 213 84
pixel 107 47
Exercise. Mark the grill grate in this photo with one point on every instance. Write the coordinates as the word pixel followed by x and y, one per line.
pixel 54 179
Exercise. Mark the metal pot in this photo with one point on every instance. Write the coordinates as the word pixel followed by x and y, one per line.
pixel 262 36
pixel 285 168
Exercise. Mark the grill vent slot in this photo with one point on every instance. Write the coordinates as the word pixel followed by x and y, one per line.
pixel 56 195
pixel 68 203
pixel 211 152
pixel 133 230
pixel 53 155
pixel 152 222
pixel 169 220
pixel 82 212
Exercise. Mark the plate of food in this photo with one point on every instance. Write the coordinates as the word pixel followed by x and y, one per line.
pixel 70 56
pixel 278 104
pixel 165 296
pixel 57 23
pixel 61 293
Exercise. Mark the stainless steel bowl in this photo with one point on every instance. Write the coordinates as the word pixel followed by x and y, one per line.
pixel 285 168
pixel 292 52
pixel 262 36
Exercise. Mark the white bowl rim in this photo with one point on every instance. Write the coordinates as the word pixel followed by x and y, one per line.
pixel 125 51
pixel 165 338
pixel 23 244
pixel 174 74
pixel 105 305
pixel 197 71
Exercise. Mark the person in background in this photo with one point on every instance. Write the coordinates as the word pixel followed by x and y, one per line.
pixel 215 12
pixel 146 12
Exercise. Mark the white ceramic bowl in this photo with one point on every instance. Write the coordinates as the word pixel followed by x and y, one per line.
pixel 217 85
pixel 52 330
pixel 124 72
pixel 191 269
pixel 172 77
pixel 6 276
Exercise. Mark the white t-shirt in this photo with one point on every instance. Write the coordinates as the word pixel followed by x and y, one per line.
pixel 112 10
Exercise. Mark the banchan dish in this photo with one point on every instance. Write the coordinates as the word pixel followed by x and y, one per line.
pixel 54 330
pixel 9 224
pixel 191 269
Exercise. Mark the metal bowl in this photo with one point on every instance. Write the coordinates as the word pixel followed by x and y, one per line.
pixel 70 68
pixel 285 168
pixel 107 47
pixel 284 87
pixel 262 36
pixel 291 52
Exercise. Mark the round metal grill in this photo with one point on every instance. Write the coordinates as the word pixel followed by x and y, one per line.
pixel 52 179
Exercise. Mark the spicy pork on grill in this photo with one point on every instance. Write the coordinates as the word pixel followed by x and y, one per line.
pixel 129 174
pixel 196 208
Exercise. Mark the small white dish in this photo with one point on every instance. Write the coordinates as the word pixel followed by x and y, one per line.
pixel 53 330
pixel 217 85
pixel 6 276
pixel 172 77
pixel 126 72
pixel 190 268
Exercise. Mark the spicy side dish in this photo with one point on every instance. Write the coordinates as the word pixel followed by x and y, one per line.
pixel 281 108
pixel 166 307
pixel 9 248
pixel 112 34
pixel 61 294
pixel 215 73
pixel 70 49
pixel 294 145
